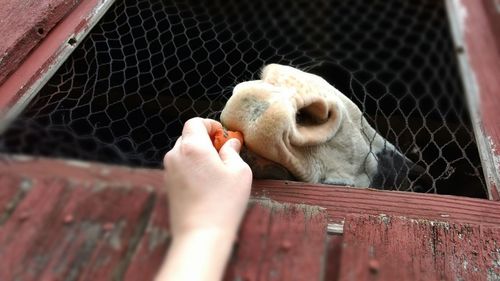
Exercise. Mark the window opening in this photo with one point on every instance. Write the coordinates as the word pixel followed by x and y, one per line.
pixel 150 65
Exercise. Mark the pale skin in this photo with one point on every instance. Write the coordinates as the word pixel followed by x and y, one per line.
pixel 207 193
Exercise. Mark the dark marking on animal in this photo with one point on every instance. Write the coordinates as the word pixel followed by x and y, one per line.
pixel 396 171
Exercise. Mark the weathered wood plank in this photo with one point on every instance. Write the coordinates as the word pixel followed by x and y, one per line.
pixel 252 238
pixel 476 37
pixel 18 235
pixel 23 24
pixel 153 245
pixel 492 8
pixel 8 189
pixel 399 248
pixel 338 201
pixel 62 230
pixel 334 252
pixel 280 242
pixel 12 191
pixel 95 230
pixel 29 76
pixel 93 223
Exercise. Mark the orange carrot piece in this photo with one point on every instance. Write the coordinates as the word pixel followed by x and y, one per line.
pixel 222 135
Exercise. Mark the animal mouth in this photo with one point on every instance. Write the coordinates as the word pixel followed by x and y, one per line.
pixel 263 168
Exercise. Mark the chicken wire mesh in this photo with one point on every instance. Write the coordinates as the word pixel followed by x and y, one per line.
pixel 150 65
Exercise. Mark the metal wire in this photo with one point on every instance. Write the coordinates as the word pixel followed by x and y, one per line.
pixel 150 65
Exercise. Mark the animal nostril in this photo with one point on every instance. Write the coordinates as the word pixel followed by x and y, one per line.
pixel 312 115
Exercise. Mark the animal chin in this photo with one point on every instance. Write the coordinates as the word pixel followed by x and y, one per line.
pixel 263 168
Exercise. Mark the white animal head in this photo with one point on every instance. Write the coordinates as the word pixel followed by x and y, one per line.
pixel 303 126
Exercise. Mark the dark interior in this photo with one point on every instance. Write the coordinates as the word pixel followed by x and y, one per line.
pixel 148 66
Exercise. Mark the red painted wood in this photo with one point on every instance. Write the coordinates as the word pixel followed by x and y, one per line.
pixel 62 230
pixel 398 248
pixel 97 230
pixel 72 18
pixel 24 24
pixel 246 263
pixel 492 8
pixel 483 54
pixel 95 223
pixel 153 246
pixel 280 242
pixel 338 201
pixel 11 190
pixel 334 253
pixel 18 234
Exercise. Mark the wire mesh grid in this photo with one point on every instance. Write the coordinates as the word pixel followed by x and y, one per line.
pixel 150 65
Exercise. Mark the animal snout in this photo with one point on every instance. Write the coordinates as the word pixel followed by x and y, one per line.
pixel 261 111
pixel 254 101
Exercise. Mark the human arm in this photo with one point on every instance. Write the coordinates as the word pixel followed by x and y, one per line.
pixel 207 194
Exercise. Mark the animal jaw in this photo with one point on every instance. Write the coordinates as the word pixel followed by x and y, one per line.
pixel 300 122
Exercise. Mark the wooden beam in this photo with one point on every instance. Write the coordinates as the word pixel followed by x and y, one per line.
pixel 28 77
pixel 476 37
pixel 61 230
pixel 23 25
pixel 389 248
pixel 338 201
pixel 66 229
pixel 280 242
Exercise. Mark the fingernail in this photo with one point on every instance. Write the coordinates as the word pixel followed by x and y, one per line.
pixel 235 144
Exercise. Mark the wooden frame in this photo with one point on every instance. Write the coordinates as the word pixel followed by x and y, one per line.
pixel 386 234
pixel 40 62
pixel 337 200
pixel 476 32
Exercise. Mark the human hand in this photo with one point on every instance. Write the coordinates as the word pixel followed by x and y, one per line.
pixel 207 191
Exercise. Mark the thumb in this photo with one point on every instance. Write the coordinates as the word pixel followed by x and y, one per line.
pixel 229 153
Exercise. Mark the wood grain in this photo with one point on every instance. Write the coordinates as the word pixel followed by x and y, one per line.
pixel 24 24
pixel 61 230
pixel 396 248
pixel 153 245
pixel 66 229
pixel 280 242
pixel 338 201
pixel 478 37
pixel 97 222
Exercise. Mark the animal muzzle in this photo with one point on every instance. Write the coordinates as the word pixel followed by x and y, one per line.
pixel 263 168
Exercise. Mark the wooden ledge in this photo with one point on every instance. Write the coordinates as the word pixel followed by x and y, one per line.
pixel 338 201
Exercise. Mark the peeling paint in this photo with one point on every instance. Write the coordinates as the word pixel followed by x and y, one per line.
pixel 492 275
pixel 157 236
pixel 79 164
pixel 494 156
pixel 309 210
pixel 115 235
pixel 461 13
pixel 440 224
pixel 26 185
pixel 384 218
pixel 35 71
pixel 21 158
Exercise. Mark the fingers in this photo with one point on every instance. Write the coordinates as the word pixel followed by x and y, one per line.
pixel 229 154
pixel 196 138
pixel 169 153
pixel 199 130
